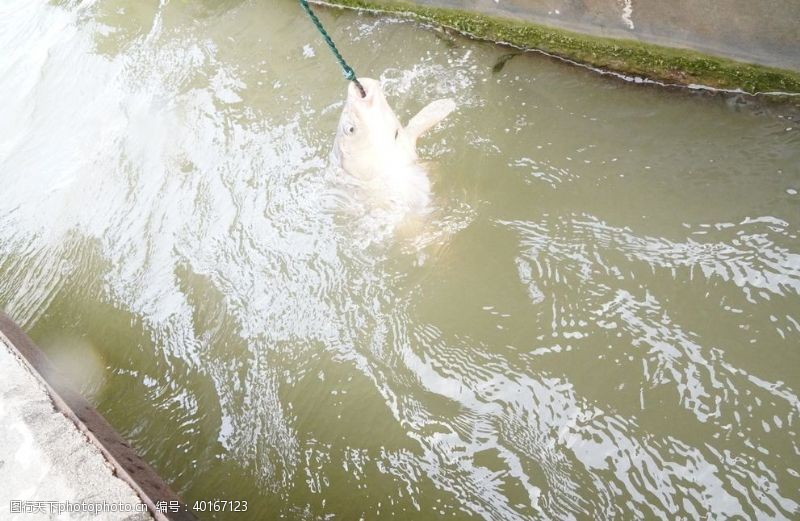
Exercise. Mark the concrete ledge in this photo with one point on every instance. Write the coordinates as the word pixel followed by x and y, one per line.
pixel 126 465
pixel 628 58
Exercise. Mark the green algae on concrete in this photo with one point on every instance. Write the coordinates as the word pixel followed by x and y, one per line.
pixel 628 57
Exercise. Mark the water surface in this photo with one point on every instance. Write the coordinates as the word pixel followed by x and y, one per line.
pixel 600 318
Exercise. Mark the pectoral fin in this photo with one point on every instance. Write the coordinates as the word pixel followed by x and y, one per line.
pixel 432 114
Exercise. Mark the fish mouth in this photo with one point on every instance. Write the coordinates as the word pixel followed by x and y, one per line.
pixel 369 85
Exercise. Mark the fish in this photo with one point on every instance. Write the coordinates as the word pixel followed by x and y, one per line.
pixel 379 153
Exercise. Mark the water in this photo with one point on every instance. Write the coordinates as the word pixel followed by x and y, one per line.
pixel 600 318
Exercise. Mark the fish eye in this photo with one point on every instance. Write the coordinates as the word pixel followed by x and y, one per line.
pixel 349 130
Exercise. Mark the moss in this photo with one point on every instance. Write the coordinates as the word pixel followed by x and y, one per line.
pixel 629 57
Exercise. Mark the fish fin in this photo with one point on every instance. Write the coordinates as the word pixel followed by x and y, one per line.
pixel 429 116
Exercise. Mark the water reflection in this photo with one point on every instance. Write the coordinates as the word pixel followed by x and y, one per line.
pixel 581 327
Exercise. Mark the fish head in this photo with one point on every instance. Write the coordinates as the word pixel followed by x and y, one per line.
pixel 369 137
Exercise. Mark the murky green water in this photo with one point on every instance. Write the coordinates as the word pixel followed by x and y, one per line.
pixel 600 319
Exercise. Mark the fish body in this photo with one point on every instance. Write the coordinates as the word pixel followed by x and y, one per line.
pixel 379 153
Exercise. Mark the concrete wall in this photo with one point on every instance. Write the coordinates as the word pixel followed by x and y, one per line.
pixel 44 458
pixel 55 447
pixel 759 31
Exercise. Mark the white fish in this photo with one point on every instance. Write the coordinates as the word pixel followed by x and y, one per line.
pixel 379 153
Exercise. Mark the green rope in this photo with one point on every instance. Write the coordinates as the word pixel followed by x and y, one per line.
pixel 349 73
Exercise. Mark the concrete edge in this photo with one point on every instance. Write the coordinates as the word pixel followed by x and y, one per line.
pixel 127 465
pixel 631 60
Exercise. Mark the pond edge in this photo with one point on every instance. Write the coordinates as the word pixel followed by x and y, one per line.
pixel 630 60
pixel 125 462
